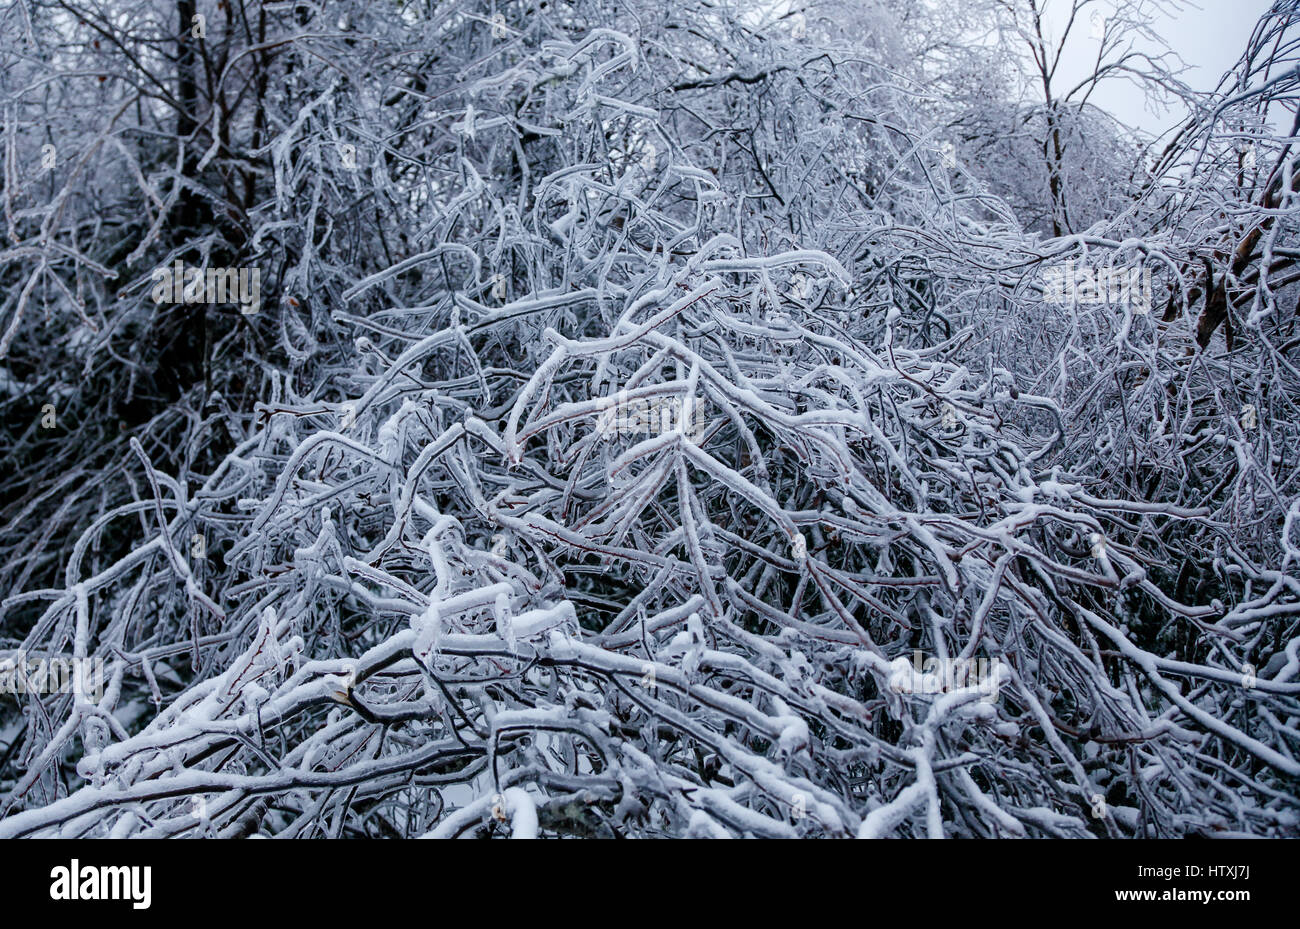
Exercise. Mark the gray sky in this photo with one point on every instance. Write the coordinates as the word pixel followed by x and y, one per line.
pixel 1208 35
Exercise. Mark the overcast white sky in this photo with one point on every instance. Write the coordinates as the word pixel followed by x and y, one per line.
pixel 1208 35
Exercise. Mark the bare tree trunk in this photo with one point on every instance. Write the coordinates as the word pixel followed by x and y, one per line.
pixel 187 98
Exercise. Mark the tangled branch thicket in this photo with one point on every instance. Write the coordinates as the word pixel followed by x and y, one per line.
pixel 383 559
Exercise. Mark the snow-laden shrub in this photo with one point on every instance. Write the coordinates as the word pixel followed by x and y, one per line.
pixel 688 447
